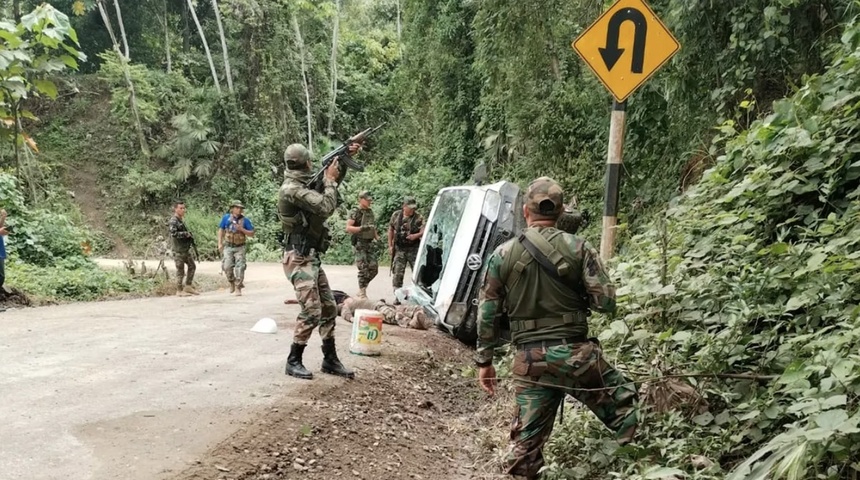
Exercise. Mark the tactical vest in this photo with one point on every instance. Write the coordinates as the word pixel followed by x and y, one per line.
pixel 233 237
pixel 400 235
pixel 302 230
pixel 563 300
pixel 367 219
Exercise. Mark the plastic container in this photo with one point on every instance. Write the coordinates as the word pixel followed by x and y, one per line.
pixel 366 333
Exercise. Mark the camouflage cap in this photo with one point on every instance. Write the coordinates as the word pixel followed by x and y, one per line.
pixel 296 156
pixel 410 202
pixel 237 203
pixel 545 197
pixel 365 194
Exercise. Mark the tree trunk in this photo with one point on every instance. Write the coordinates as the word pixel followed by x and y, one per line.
pixel 251 73
pixel 121 29
pixel 334 42
pixel 205 46
pixel 144 147
pixel 399 41
pixel 167 38
pixel 186 29
pixel 223 46
pixel 301 45
pixel 16 10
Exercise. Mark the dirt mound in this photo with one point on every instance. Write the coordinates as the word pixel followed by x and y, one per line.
pixel 399 423
pixel 13 298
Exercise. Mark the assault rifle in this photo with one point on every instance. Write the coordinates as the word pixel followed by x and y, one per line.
pixel 341 154
pixel 194 248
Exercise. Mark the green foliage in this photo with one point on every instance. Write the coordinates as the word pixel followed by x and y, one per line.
pixel 755 270
pixel 32 52
pixel 160 96
pixel 191 149
pixel 75 281
pixel 143 187
pixel 204 225
pixel 40 236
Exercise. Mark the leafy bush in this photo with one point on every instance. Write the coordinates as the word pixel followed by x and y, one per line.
pixel 204 225
pixel 37 235
pixel 159 95
pixel 756 270
pixel 74 281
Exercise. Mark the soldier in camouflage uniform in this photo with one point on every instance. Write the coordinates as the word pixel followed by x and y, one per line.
pixel 362 226
pixel 404 235
pixel 182 241
pixel 408 316
pixel 546 281
pixel 303 213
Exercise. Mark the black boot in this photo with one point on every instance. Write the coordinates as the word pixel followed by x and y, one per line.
pixel 294 363
pixel 331 364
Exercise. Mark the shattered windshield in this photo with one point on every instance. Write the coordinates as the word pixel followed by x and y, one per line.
pixel 440 234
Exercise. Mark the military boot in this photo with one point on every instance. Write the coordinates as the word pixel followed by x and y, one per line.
pixel 232 286
pixel 331 364
pixel 294 363
pixel 191 290
pixel 182 293
pixel 239 290
pixel 362 293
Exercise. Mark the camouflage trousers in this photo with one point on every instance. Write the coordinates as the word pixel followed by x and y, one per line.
pixel 365 260
pixel 233 264
pixel 408 316
pixel 542 378
pixel 181 259
pixel 402 256
pixel 313 294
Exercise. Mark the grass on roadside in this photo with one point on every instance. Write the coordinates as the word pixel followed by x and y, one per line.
pixel 60 284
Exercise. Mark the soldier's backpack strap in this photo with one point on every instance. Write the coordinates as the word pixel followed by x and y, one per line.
pixel 547 256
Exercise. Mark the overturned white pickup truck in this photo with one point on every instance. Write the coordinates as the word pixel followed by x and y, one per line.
pixel 465 226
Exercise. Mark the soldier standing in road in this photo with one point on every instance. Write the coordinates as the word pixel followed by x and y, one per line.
pixel 233 232
pixel 547 281
pixel 303 213
pixel 404 235
pixel 182 242
pixel 362 226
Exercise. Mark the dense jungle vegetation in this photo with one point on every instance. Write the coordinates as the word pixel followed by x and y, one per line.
pixel 740 203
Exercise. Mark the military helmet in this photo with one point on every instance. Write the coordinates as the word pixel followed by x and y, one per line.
pixel 365 194
pixel 296 156
pixel 237 203
pixel 544 197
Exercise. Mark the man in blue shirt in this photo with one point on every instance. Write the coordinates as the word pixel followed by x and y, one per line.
pixel 233 231
pixel 3 234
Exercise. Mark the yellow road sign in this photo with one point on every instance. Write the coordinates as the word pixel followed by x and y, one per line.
pixel 625 46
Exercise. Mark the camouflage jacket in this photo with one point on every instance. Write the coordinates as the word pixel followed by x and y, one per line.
pixel 294 191
pixel 403 226
pixel 542 296
pixel 182 238
pixel 304 211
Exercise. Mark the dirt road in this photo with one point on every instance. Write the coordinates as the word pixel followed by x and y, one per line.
pixel 152 388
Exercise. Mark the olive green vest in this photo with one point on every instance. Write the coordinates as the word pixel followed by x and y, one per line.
pixel 540 307
pixel 297 223
pixel 367 219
